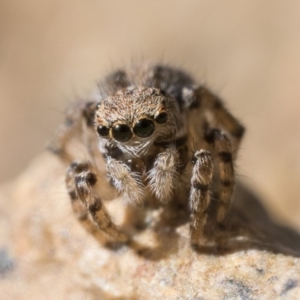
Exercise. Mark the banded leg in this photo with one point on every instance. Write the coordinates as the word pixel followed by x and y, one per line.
pixel 222 146
pixel 164 175
pixel 221 116
pixel 200 193
pixel 71 127
pixel 80 181
pixel 126 182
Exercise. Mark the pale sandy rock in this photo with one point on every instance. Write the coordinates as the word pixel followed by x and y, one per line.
pixel 46 254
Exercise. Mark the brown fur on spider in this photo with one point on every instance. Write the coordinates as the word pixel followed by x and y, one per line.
pixel 151 115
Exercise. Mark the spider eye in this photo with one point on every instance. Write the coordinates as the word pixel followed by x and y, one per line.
pixel 121 133
pixel 103 130
pixel 144 128
pixel 161 118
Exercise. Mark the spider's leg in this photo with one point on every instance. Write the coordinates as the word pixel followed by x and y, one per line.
pixel 80 181
pixel 200 193
pixel 222 146
pixel 79 117
pixel 203 98
pixel 125 181
pixel 164 174
pixel 223 117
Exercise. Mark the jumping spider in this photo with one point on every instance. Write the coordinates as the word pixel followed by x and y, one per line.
pixel 143 123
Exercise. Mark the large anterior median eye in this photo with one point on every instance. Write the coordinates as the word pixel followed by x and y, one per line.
pixel 121 133
pixel 102 130
pixel 144 128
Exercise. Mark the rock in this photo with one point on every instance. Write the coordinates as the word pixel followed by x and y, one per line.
pixel 46 254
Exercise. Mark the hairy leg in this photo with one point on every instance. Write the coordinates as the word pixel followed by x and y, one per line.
pixel 80 181
pixel 79 118
pixel 200 193
pixel 223 150
pixel 202 98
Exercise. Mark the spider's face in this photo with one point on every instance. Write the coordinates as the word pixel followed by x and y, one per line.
pixel 134 119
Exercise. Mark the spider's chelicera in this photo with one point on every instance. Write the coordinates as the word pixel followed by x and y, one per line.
pixel 152 114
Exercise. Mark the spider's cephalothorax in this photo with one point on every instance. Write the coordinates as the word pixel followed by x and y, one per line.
pixel 144 122
pixel 134 118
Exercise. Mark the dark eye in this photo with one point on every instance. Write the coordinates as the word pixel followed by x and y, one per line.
pixel 121 133
pixel 102 130
pixel 144 128
pixel 161 118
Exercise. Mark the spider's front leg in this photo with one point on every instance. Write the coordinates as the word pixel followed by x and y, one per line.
pixel 164 174
pixel 80 182
pixel 200 193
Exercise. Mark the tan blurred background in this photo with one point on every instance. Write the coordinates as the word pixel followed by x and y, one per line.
pixel 54 51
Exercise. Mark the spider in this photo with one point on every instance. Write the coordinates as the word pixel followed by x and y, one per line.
pixel 143 123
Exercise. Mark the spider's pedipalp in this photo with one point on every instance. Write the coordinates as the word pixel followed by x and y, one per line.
pixel 164 175
pixel 126 182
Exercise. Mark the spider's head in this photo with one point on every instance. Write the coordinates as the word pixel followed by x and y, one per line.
pixel 134 118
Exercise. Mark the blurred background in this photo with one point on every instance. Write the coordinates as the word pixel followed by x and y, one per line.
pixel 53 51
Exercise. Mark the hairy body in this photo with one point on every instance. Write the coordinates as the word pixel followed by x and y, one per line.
pixel 144 122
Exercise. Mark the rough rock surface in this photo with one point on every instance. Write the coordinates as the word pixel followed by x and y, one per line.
pixel 46 254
